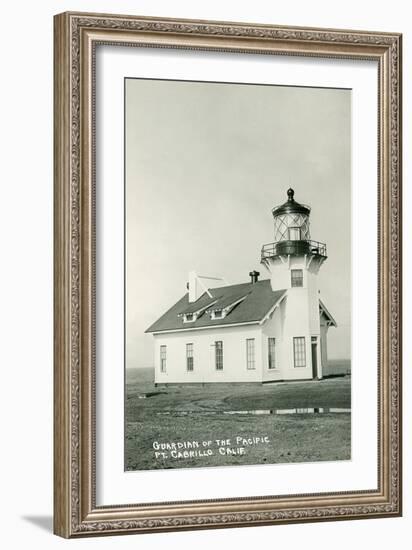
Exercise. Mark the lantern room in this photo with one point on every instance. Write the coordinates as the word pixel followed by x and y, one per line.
pixel 292 233
pixel 291 220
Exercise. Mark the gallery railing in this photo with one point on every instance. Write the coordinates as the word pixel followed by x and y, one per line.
pixel 293 248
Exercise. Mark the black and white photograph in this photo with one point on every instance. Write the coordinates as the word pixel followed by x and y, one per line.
pixel 237 274
pixel 204 313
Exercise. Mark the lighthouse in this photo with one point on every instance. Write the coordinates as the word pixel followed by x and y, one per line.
pixel 256 331
pixel 293 261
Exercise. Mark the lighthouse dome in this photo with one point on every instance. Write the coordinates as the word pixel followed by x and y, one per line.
pixel 291 206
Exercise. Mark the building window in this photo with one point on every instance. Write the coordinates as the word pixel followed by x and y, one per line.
pixel 189 357
pixel 219 355
pixel 162 358
pixel 294 233
pixel 250 353
pixel 299 351
pixel 297 277
pixel 271 353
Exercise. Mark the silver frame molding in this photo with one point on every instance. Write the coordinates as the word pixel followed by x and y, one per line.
pixel 76 36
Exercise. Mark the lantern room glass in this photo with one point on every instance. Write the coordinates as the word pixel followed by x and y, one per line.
pixel 292 227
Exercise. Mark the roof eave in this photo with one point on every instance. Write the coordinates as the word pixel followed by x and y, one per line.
pixel 215 325
pixel 272 309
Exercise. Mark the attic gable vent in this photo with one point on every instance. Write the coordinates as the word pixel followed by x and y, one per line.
pixel 217 314
pixel 189 317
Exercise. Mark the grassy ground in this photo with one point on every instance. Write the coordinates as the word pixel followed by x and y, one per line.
pixel 196 414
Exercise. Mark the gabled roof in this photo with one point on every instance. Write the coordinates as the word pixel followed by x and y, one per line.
pixel 203 302
pixel 326 313
pixel 228 300
pixel 259 300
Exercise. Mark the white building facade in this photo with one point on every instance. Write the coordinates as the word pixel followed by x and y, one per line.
pixel 261 331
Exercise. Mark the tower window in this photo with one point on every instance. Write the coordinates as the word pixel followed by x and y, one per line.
pixel 219 355
pixel 296 276
pixel 299 351
pixel 250 354
pixel 162 358
pixel 271 353
pixel 189 357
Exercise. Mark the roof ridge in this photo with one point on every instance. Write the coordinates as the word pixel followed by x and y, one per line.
pixel 238 284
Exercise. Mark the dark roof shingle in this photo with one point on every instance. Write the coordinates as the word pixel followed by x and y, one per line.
pixel 260 298
pixel 227 300
pixel 202 303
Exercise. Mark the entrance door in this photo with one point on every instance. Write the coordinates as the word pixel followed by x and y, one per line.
pixel 314 357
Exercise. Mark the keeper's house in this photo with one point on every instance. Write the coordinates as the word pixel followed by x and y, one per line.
pixel 260 331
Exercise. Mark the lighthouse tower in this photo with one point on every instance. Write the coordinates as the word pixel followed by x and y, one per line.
pixel 293 261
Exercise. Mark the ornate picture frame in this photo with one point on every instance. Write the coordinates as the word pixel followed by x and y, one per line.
pixel 76 37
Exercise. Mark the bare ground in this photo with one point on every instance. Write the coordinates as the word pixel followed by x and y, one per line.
pixel 178 414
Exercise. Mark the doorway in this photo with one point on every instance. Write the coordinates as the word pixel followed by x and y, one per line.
pixel 314 357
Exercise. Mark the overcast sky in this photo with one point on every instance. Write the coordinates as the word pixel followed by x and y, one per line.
pixel 205 164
